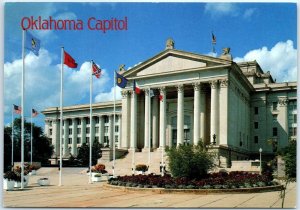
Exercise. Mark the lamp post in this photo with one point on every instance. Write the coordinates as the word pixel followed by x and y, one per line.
pixel 260 151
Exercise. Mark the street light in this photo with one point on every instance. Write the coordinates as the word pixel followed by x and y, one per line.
pixel 260 151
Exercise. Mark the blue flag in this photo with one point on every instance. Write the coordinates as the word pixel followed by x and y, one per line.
pixel 32 43
pixel 121 81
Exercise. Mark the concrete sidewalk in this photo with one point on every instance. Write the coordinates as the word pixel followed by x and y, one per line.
pixel 76 192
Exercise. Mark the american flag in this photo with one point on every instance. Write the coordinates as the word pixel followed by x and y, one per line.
pixel 17 109
pixel 34 113
pixel 96 70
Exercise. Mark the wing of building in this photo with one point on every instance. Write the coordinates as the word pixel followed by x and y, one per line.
pixel 234 108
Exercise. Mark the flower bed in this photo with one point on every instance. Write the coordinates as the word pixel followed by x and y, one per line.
pixel 220 180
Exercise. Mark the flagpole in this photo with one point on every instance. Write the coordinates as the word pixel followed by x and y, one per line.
pixel 149 134
pixel 22 111
pixel 91 95
pixel 12 137
pixel 114 127
pixel 61 116
pixel 31 140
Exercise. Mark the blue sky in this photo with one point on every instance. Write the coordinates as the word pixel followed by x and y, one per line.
pixel 266 32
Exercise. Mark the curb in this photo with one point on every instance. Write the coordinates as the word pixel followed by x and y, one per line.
pixel 197 191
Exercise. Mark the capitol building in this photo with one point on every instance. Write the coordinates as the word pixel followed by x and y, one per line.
pixel 233 108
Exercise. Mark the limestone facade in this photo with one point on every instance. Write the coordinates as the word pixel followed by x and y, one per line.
pixel 234 108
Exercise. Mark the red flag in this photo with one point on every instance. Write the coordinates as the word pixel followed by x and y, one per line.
pixel 160 97
pixel 69 61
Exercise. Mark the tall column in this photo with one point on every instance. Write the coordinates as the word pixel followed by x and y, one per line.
pixel 55 137
pixel 196 113
pixel 125 119
pixel 282 119
pixel 92 129
pixel 120 131
pixel 101 129
pixel 133 121
pixel 180 114
pixel 147 120
pixel 223 137
pixel 202 115
pixel 111 130
pixel 83 130
pixel 155 122
pixel 74 137
pixel 214 111
pixel 66 137
pixel 162 118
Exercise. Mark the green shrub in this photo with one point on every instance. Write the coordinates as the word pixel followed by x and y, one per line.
pixel 189 161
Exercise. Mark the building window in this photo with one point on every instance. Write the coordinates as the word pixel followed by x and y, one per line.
pixel 97 129
pixel 87 121
pixel 293 131
pixel 117 118
pixel 97 119
pixel 292 117
pixel 256 125
pixel 96 138
pixel 106 119
pixel 70 140
pixel 256 110
pixel 78 130
pixel 116 138
pixel 50 131
pixel 78 140
pixel 70 131
pixel 63 131
pixel 50 123
pixel 87 140
pixel 256 139
pixel 105 129
pixel 275 131
pixel 116 128
pixel 106 140
pixel 87 130
pixel 275 104
pixel 78 121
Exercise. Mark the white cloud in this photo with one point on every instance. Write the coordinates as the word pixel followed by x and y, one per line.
pixel 66 16
pixel 109 96
pixel 42 83
pixel 248 13
pixel 280 60
pixel 221 9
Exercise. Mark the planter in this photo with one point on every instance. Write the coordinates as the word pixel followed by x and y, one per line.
pixel 96 179
pixel 140 172
pixel 44 182
pixel 33 172
pixel 8 184
pixel 17 184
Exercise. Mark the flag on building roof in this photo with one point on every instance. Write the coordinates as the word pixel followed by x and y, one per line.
pixel 151 93
pixel 69 61
pixel 17 109
pixel 96 70
pixel 136 88
pixel 32 43
pixel 121 81
pixel 34 113
pixel 213 38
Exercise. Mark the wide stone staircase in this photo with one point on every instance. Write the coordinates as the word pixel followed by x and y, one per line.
pixel 123 166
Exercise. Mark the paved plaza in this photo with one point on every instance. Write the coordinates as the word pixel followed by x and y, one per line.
pixel 76 192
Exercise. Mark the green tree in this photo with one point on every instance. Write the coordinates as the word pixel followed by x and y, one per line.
pixel 84 153
pixel 289 155
pixel 41 145
pixel 190 161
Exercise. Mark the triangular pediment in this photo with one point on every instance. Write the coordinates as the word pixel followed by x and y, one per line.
pixel 170 61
